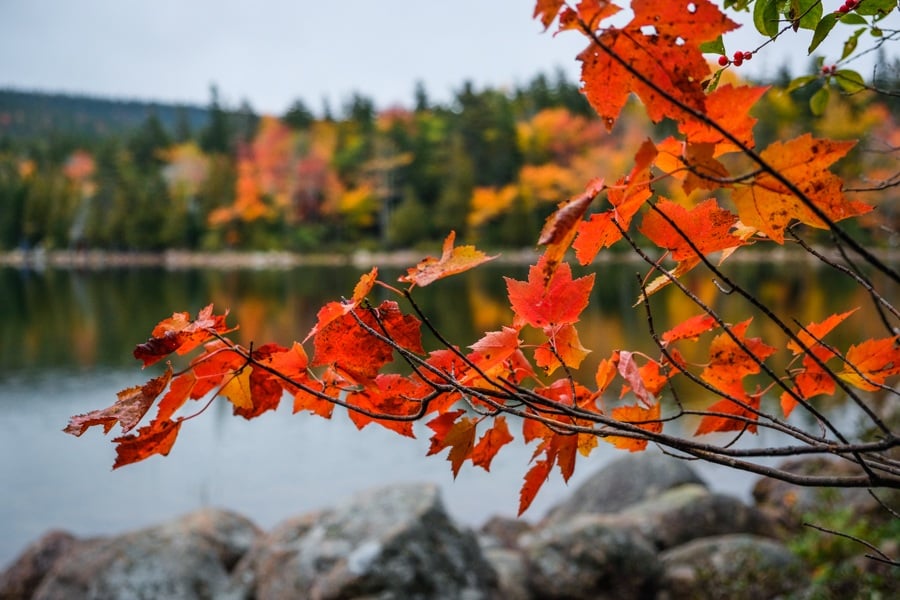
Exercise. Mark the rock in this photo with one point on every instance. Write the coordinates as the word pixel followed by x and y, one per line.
pixel 512 572
pixel 788 504
pixel 590 556
pixel 691 511
pixel 731 567
pixel 503 531
pixel 393 542
pixel 23 576
pixel 623 482
pixel 188 559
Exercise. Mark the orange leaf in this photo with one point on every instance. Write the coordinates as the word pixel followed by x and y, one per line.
pixel 547 10
pixel 544 305
pixel 706 225
pixel 560 227
pixel 729 363
pixel 875 361
pixel 156 438
pixel 813 332
pixel 452 261
pixel 335 310
pixel 237 390
pixel 589 12
pixel 534 479
pixel 566 344
pixel 728 106
pixel 490 443
pixel 645 418
pixel 714 423
pixel 127 411
pixel 392 395
pixel 770 207
pixel 668 55
pixel 178 334
pixel 811 381
pixel 353 350
pixel 459 436
pixel 690 329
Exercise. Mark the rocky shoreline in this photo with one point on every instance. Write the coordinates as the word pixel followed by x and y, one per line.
pixel 645 526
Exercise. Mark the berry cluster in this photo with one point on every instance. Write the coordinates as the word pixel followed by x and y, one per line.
pixel 737 60
pixel 829 69
pixel 847 6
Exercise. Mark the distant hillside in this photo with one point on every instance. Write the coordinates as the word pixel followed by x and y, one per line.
pixel 32 114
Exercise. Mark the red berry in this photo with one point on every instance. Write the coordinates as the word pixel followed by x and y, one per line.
pixel 748 55
pixel 738 60
pixel 723 61
pixel 738 54
pixel 844 9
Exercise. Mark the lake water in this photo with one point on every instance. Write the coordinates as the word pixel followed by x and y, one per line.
pixel 65 347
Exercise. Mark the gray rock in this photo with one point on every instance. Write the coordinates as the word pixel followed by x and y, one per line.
pixel 590 556
pixel 395 542
pixel 23 576
pixel 731 567
pixel 788 503
pixel 623 482
pixel 512 572
pixel 691 511
pixel 185 559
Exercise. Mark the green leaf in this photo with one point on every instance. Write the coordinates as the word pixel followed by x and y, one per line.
pixel 765 17
pixel 876 8
pixel 811 11
pixel 850 81
pixel 822 30
pixel 850 44
pixel 716 46
pixel 818 102
pixel 799 82
pixel 713 81
pixel 851 18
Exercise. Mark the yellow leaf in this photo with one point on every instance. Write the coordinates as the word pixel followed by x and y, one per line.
pixel 237 390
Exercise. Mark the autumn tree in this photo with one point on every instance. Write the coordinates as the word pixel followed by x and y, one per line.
pixel 726 196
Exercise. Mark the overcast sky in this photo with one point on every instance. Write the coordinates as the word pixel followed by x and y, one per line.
pixel 271 52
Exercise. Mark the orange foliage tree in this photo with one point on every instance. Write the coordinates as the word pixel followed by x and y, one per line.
pixel 475 396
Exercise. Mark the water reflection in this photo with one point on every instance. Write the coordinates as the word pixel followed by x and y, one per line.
pixel 65 347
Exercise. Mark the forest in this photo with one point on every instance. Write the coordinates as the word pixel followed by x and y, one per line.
pixel 491 164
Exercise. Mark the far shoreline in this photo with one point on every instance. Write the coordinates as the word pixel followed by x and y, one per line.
pixel 362 259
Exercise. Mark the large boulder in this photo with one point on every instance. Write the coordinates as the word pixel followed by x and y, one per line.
pixel 23 576
pixel 185 559
pixel 393 542
pixel 691 511
pixel 623 482
pixel 790 504
pixel 731 567
pixel 590 556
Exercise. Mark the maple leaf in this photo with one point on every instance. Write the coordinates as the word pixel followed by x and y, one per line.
pixel 770 207
pixel 706 226
pixel 716 423
pixel 336 310
pixel 812 381
pixel 560 228
pixel 156 438
pixel 565 344
pixel 265 389
pixel 641 416
pixel 873 362
pixel 131 406
pixel 690 329
pixel 729 106
pixel 452 261
pixel 626 198
pixel 534 479
pixel 458 435
pixel 588 12
pixel 179 334
pixel 344 343
pixel 392 395
pixel 490 443
pixel 669 56
pixel 237 389
pixel 547 10
pixel 810 335
pixel 729 363
pixel 548 304
pixel 630 371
